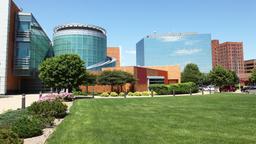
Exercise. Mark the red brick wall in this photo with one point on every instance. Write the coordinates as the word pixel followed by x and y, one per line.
pixel 115 53
pixel 12 81
pixel 140 73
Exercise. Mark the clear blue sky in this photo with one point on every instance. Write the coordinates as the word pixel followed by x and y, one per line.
pixel 128 21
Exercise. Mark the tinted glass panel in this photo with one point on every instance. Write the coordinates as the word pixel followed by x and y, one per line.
pixel 23 49
pixel 24 26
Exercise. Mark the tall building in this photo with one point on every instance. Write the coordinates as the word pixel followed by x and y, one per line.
pixel 114 52
pixel 229 55
pixel 175 48
pixel 23 46
pixel 87 41
pixel 249 65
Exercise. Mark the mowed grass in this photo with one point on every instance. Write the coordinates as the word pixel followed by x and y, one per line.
pixel 213 119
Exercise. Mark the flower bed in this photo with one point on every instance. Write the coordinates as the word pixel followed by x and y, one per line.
pixel 56 96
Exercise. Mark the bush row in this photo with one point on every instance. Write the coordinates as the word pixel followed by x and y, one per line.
pixel 31 121
pixel 114 94
pixel 181 88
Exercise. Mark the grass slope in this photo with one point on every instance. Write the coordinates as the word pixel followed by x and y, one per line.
pixel 215 119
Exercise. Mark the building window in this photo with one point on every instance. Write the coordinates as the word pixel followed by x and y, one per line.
pixel 24 26
pixel 22 49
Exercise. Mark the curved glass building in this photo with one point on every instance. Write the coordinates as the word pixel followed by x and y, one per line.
pixel 88 41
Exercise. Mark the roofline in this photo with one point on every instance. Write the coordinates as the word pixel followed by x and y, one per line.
pixel 77 25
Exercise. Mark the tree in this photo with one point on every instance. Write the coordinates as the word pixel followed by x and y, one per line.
pixel 115 78
pixel 63 72
pixel 233 79
pixel 204 79
pixel 191 73
pixel 219 76
pixel 253 77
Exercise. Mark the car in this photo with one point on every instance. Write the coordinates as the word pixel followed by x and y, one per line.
pixel 208 88
pixel 250 89
pixel 228 89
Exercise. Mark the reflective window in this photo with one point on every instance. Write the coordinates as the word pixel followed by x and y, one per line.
pixel 175 49
pixel 22 49
pixel 24 26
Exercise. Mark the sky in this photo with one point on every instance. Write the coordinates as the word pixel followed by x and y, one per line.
pixel 128 21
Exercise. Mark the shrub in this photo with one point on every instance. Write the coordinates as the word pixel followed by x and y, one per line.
pixel 56 96
pixel 182 88
pixel 78 93
pixel 8 118
pixel 137 94
pixel 28 126
pixel 113 94
pixel 121 94
pixel 146 93
pixel 160 89
pixel 130 94
pixel 47 121
pixel 9 137
pixel 105 94
pixel 48 109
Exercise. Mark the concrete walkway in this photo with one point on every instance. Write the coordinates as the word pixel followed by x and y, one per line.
pixel 13 102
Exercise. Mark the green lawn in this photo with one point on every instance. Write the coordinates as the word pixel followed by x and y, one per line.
pixel 214 119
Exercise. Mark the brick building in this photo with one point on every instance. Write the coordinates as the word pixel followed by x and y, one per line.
pixel 229 55
pixel 249 65
pixel 144 76
pixel 114 52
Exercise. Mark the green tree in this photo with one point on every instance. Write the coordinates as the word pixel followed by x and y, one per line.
pixel 63 72
pixel 219 76
pixel 115 78
pixel 204 79
pixel 233 78
pixel 253 77
pixel 191 73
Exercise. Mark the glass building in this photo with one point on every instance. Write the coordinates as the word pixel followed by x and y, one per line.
pixel 175 49
pixel 32 45
pixel 87 41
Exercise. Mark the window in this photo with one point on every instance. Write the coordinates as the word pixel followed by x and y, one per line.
pixel 156 81
pixel 24 26
pixel 22 49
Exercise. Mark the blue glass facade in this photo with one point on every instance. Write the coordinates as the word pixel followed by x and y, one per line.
pixel 175 49
pixel 91 49
pixel 31 45
pixel 87 41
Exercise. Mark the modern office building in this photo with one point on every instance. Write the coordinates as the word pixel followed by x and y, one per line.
pixel 229 55
pixel 87 41
pixel 249 65
pixel 175 48
pixel 23 46
pixel 115 52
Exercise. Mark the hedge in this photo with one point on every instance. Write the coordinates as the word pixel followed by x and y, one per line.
pixel 181 88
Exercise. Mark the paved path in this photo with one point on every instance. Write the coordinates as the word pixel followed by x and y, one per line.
pixel 13 102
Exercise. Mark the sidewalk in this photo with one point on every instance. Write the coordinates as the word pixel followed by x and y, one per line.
pixel 13 102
